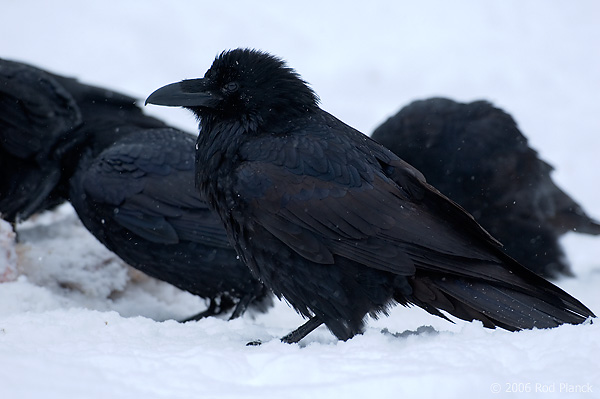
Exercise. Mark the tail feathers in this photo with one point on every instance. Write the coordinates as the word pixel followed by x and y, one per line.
pixel 496 306
pixel 568 215
pixel 430 298
pixel 575 219
pixel 589 227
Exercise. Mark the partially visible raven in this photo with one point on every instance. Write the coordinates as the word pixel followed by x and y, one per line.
pixel 130 179
pixel 475 154
pixel 138 198
pixel 38 121
pixel 335 222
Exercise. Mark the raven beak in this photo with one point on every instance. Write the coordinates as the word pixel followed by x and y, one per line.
pixel 187 93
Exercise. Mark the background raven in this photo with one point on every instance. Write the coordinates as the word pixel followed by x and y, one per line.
pixel 336 223
pixel 130 179
pixel 476 155
pixel 38 121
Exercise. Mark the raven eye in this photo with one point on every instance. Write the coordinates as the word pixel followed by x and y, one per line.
pixel 231 87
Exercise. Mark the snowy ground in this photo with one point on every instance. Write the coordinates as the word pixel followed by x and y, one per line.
pixel 77 323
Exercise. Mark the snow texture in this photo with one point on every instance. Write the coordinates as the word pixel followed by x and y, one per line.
pixel 75 322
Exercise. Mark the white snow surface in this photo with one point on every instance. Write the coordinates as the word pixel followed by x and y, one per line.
pixel 75 322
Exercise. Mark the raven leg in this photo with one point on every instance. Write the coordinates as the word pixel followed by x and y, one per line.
pixel 297 334
pixel 242 305
pixel 302 331
pixel 215 308
pixel 14 227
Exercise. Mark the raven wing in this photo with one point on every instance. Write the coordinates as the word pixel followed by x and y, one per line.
pixel 353 198
pixel 148 181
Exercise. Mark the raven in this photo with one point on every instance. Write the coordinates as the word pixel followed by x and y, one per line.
pixel 38 119
pixel 476 155
pixel 137 196
pixel 336 223
pixel 130 178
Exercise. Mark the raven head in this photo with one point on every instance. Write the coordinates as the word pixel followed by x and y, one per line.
pixel 241 85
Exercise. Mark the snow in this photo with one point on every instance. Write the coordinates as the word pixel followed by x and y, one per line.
pixel 8 253
pixel 76 322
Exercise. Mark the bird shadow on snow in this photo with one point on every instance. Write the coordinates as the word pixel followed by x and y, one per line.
pixel 422 330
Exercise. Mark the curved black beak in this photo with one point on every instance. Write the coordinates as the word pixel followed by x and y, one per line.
pixel 187 93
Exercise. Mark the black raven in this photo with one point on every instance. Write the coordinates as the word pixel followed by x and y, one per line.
pixel 336 223
pixel 476 155
pixel 130 178
pixel 38 118
pixel 133 188
pixel 138 198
